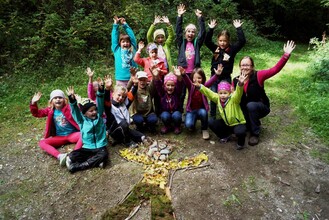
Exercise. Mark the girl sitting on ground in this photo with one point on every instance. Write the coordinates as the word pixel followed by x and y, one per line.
pixel 61 128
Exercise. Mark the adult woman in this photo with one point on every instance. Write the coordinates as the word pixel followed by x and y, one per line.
pixel 255 103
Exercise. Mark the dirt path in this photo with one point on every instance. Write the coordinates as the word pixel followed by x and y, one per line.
pixel 268 181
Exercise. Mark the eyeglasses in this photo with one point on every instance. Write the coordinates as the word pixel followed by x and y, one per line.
pixel 246 65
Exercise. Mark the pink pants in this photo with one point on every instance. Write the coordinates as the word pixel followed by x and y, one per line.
pixel 50 144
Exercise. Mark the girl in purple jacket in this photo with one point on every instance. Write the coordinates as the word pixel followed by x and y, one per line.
pixel 169 91
pixel 197 106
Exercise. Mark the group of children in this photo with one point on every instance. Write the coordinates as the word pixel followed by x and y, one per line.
pixel 143 97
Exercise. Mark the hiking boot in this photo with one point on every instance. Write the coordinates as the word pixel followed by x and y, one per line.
pixel 62 159
pixel 74 167
pixel 68 162
pixel 131 144
pixel 253 140
pixel 205 134
pixel 177 130
pixel 165 129
pixel 239 147
pixel 224 140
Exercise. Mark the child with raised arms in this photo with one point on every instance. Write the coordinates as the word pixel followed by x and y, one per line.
pixel 93 131
pixel 231 116
pixel 61 128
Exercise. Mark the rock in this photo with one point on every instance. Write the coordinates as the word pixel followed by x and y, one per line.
pixel 317 189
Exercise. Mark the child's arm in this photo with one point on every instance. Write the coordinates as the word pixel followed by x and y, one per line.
pixel 115 34
pixel 218 72
pixel 179 24
pixel 100 95
pixel 263 75
pixel 137 57
pixel 90 87
pixel 170 30
pixel 75 111
pixel 202 27
pixel 237 94
pixel 149 35
pixel 241 38
pixel 208 40
pixel 36 112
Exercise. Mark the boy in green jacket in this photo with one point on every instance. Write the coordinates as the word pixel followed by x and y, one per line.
pixel 89 118
pixel 231 116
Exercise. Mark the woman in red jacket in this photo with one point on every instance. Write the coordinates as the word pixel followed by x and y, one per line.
pixel 60 126
pixel 255 103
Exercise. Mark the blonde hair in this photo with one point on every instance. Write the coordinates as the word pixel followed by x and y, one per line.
pixel 119 88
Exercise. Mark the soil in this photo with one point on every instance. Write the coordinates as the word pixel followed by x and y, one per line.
pixel 277 179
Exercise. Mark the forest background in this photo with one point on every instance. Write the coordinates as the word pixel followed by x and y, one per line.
pixel 48 44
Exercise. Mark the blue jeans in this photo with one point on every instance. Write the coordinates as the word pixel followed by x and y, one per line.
pixel 194 115
pixel 150 121
pixel 255 111
pixel 174 118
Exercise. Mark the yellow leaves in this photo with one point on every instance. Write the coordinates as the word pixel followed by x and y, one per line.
pixel 156 171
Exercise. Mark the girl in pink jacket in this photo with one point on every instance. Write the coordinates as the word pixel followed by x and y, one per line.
pixel 60 126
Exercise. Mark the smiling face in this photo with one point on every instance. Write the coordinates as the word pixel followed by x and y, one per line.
pixel 197 78
pixel 223 95
pixel 170 87
pixel 91 112
pixel 125 44
pixel 247 66
pixel 58 102
pixel 119 95
pixel 190 34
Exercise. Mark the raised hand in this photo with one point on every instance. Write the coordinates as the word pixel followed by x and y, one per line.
pixel 70 91
pixel 108 81
pixel 134 79
pixel 289 46
pixel 116 20
pixel 78 98
pixel 36 97
pixel 181 9
pixel 157 20
pixel 155 71
pixel 197 85
pixel 89 72
pixel 242 78
pixel 165 20
pixel 212 23
pixel 133 71
pixel 237 23
pixel 178 71
pixel 123 20
pixel 219 69
pixel 198 13
pixel 141 45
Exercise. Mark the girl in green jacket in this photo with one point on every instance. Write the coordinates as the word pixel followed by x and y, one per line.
pixel 231 116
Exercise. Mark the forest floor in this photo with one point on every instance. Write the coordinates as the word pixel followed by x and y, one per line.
pixel 277 179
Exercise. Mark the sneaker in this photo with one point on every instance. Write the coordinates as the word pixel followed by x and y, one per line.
pixel 165 130
pixel 68 162
pixel 131 144
pixel 253 140
pixel 205 134
pixel 224 140
pixel 62 159
pixel 101 165
pixel 239 147
pixel 177 130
